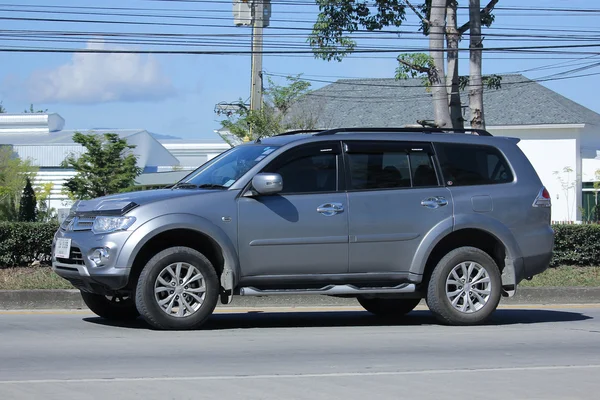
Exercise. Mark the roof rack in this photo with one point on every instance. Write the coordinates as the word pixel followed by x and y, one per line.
pixel 300 131
pixel 472 131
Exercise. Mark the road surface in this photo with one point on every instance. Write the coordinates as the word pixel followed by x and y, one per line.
pixel 524 353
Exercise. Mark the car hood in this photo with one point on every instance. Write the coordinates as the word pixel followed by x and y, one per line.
pixel 119 204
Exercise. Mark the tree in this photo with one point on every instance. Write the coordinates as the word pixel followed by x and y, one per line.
pixel 14 173
pixel 107 166
pixel 438 20
pixel 33 111
pixel 273 118
pixel 45 213
pixel 2 109
pixel 27 212
pixel 475 82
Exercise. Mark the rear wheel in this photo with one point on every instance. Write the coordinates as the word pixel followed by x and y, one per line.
pixel 177 289
pixel 116 307
pixel 465 287
pixel 388 307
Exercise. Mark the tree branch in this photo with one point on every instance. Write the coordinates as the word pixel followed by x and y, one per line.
pixel 416 67
pixel 425 20
pixel 487 10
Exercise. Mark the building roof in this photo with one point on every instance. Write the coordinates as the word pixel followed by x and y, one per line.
pixel 57 138
pixel 390 102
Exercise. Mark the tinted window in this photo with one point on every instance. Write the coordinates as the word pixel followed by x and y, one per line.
pixel 384 169
pixel 464 164
pixel 309 174
pixel 423 173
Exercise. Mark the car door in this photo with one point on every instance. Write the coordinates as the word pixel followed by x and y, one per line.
pixel 303 229
pixel 395 198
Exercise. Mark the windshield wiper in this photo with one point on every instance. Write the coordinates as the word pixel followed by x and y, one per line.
pixel 184 185
pixel 211 186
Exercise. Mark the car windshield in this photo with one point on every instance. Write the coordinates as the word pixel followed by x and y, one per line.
pixel 225 169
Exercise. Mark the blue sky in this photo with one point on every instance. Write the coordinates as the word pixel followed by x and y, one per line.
pixel 176 94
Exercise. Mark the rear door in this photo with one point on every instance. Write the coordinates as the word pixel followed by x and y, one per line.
pixel 395 197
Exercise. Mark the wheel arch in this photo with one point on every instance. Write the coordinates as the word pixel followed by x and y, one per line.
pixel 480 231
pixel 180 230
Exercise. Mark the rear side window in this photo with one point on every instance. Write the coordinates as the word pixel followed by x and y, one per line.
pixel 374 165
pixel 465 164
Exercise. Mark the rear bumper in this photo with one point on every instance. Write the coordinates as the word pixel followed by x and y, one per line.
pixel 534 265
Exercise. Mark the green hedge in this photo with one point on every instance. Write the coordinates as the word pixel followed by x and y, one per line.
pixel 577 245
pixel 24 242
pixel 21 243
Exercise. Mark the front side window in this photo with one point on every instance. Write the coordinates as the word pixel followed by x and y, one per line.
pixel 388 166
pixel 308 169
pixel 224 170
pixel 466 164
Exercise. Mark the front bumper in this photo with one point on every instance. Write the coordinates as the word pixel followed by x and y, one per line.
pixel 101 283
pixel 81 272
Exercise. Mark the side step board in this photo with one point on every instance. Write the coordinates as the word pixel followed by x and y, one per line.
pixel 330 290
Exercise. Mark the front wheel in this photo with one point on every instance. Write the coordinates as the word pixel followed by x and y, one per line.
pixel 117 307
pixel 388 307
pixel 465 287
pixel 177 289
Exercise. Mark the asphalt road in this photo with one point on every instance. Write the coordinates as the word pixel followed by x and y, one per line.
pixel 524 353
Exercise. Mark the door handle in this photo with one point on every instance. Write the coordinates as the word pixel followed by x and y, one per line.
pixel 329 209
pixel 434 202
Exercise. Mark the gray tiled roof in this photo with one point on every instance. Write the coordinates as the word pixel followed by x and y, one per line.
pixel 388 102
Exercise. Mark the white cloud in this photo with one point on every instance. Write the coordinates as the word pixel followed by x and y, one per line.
pixel 100 78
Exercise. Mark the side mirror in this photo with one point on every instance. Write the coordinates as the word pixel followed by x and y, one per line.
pixel 267 183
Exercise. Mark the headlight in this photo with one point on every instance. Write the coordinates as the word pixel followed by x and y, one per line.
pixel 112 224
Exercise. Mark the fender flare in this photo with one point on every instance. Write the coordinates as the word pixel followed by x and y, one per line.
pixel 480 222
pixel 167 222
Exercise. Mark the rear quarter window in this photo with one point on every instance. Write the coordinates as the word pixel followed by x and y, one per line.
pixel 466 164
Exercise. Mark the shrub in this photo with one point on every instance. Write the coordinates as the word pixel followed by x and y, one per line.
pixel 576 245
pixel 21 243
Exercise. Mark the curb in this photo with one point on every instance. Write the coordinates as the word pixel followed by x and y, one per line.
pixel 71 300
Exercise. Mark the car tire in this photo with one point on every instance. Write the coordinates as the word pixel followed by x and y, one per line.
pixel 388 307
pixel 116 308
pixel 178 289
pixel 465 287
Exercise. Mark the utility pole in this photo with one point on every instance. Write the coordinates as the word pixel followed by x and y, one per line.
pixel 257 47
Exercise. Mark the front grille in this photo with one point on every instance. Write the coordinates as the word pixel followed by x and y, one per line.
pixel 75 257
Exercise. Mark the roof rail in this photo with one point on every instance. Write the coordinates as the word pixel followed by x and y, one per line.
pixel 300 131
pixel 472 131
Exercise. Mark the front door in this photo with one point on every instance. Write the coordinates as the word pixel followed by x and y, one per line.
pixel 395 198
pixel 304 229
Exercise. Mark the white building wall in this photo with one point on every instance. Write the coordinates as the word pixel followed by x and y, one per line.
pixel 550 150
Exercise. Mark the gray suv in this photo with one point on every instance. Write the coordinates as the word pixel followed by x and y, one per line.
pixel 387 216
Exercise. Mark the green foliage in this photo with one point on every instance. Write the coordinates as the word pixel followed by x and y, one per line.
pixel 33 111
pixel 489 81
pixel 577 245
pixel 340 17
pixel 44 212
pixel 14 173
pixel 27 212
pixel 21 243
pixel 106 167
pixel 2 109
pixel 271 119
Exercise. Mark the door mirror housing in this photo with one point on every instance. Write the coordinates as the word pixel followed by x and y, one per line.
pixel 267 183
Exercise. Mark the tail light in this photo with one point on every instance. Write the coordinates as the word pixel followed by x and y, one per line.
pixel 542 199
